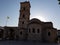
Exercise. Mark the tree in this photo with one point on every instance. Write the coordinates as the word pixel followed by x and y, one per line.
pixel 59 2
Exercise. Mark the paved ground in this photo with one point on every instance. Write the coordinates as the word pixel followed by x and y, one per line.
pixel 24 43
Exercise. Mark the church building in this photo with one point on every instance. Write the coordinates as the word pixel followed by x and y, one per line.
pixel 34 29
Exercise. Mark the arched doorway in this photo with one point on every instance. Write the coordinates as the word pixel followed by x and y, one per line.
pixel 11 36
pixel 1 34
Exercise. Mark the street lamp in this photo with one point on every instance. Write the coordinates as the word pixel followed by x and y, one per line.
pixel 7 19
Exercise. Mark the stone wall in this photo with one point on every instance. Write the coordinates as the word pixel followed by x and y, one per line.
pixel 51 35
pixel 33 33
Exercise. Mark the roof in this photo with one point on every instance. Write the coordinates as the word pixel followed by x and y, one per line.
pixel 35 20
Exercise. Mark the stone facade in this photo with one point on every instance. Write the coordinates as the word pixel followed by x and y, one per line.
pixel 58 36
pixel 34 30
pixel 27 29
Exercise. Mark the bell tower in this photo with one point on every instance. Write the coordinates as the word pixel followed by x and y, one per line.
pixel 24 18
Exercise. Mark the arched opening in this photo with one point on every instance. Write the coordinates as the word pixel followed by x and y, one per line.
pixel 29 30
pixel 21 33
pixel 37 30
pixel 11 34
pixel 33 30
pixel 49 33
pixel 1 33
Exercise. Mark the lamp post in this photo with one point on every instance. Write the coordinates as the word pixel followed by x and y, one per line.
pixel 6 20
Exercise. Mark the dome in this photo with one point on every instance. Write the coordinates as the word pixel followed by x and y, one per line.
pixel 35 20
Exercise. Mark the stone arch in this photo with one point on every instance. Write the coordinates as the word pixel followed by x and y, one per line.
pixel 11 36
pixel 1 33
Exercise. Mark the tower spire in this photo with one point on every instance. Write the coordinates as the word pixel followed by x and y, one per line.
pixel 24 19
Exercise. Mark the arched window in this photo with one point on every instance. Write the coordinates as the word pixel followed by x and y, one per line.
pixel 23 16
pixel 23 22
pixel 21 33
pixel 33 30
pixel 49 34
pixel 23 8
pixel 37 30
pixel 29 30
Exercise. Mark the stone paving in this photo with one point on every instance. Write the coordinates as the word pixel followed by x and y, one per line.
pixel 10 42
